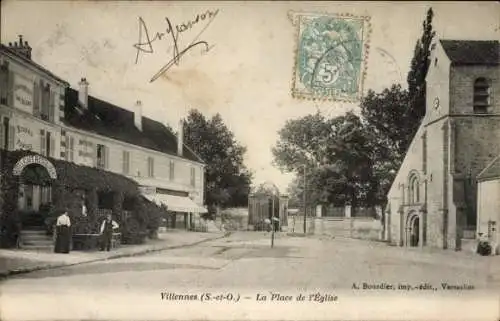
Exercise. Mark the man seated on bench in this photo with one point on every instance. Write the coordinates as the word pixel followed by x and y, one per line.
pixel 107 227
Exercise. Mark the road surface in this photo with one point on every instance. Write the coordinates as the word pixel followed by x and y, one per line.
pixel 243 277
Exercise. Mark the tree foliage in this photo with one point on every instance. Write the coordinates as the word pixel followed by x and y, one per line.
pixel 227 180
pixel 336 155
pixel 418 71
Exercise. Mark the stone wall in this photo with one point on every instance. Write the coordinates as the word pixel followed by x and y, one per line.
pixel 355 227
pixel 234 219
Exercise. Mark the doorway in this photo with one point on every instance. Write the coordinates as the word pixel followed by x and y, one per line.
pixel 414 231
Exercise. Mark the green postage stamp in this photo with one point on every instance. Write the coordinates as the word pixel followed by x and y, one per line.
pixel 330 56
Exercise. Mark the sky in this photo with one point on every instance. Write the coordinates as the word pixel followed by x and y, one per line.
pixel 247 73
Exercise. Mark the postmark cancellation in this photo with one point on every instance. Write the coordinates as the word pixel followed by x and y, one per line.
pixel 330 56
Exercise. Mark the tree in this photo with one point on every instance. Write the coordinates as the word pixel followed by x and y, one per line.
pixel 337 156
pixel 418 72
pixel 386 122
pixel 302 141
pixel 227 178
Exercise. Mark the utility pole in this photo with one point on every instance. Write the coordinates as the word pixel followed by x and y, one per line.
pixel 272 223
pixel 305 208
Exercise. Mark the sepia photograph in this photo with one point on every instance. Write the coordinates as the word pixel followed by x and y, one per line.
pixel 249 160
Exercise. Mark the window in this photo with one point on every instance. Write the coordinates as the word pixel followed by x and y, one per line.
pixel 52 105
pixel 46 101
pixel 481 95
pixel 101 161
pixel 414 190
pixel 4 83
pixel 70 148
pixel 151 167
pixel 193 176
pixel 46 143
pixel 126 162
pixel 5 133
pixel 172 170
pixel 36 98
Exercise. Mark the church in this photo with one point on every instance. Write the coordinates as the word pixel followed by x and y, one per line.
pixel 434 198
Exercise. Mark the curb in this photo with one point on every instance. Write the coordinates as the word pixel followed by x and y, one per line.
pixel 4 275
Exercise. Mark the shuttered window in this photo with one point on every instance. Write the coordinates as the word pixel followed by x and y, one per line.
pixel 70 148
pixel 151 167
pixel 106 157
pixel 172 170
pixel 12 137
pixel 4 82
pixel 36 99
pixel 43 148
pixel 45 102
pixel 2 136
pixel 193 176
pixel 47 143
pixel 52 105
pixel 10 88
pixel 101 156
pixel 52 145
pixel 126 162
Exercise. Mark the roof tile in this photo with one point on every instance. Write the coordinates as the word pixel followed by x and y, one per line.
pixel 472 52
pixel 108 120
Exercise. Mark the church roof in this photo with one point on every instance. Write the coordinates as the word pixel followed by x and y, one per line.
pixel 472 52
pixel 492 171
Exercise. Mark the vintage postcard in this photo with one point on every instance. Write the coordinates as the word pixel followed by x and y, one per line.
pixel 253 160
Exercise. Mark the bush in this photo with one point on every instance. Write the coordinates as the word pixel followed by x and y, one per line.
pixel 10 230
pixel 84 225
pixel 152 218
pixel 85 242
pixel 133 232
pixel 50 220
pixel 484 248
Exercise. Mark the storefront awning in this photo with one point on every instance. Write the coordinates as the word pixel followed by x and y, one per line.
pixel 176 203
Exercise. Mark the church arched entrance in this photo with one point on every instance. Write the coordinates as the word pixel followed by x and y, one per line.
pixel 413 230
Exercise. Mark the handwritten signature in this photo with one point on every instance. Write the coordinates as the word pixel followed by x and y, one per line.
pixel 145 45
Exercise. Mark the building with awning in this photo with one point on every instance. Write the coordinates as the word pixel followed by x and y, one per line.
pixel 174 203
pixel 42 114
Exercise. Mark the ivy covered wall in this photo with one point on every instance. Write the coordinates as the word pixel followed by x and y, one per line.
pixel 76 185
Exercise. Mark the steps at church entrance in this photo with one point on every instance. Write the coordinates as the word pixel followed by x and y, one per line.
pixel 36 240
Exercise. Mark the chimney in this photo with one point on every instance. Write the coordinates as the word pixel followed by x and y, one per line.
pixel 21 48
pixel 138 115
pixel 83 93
pixel 180 138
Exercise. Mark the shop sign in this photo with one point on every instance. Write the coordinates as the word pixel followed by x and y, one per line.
pixel 23 137
pixel 23 93
pixel 34 159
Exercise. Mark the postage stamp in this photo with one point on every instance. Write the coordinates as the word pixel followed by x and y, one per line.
pixel 330 56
